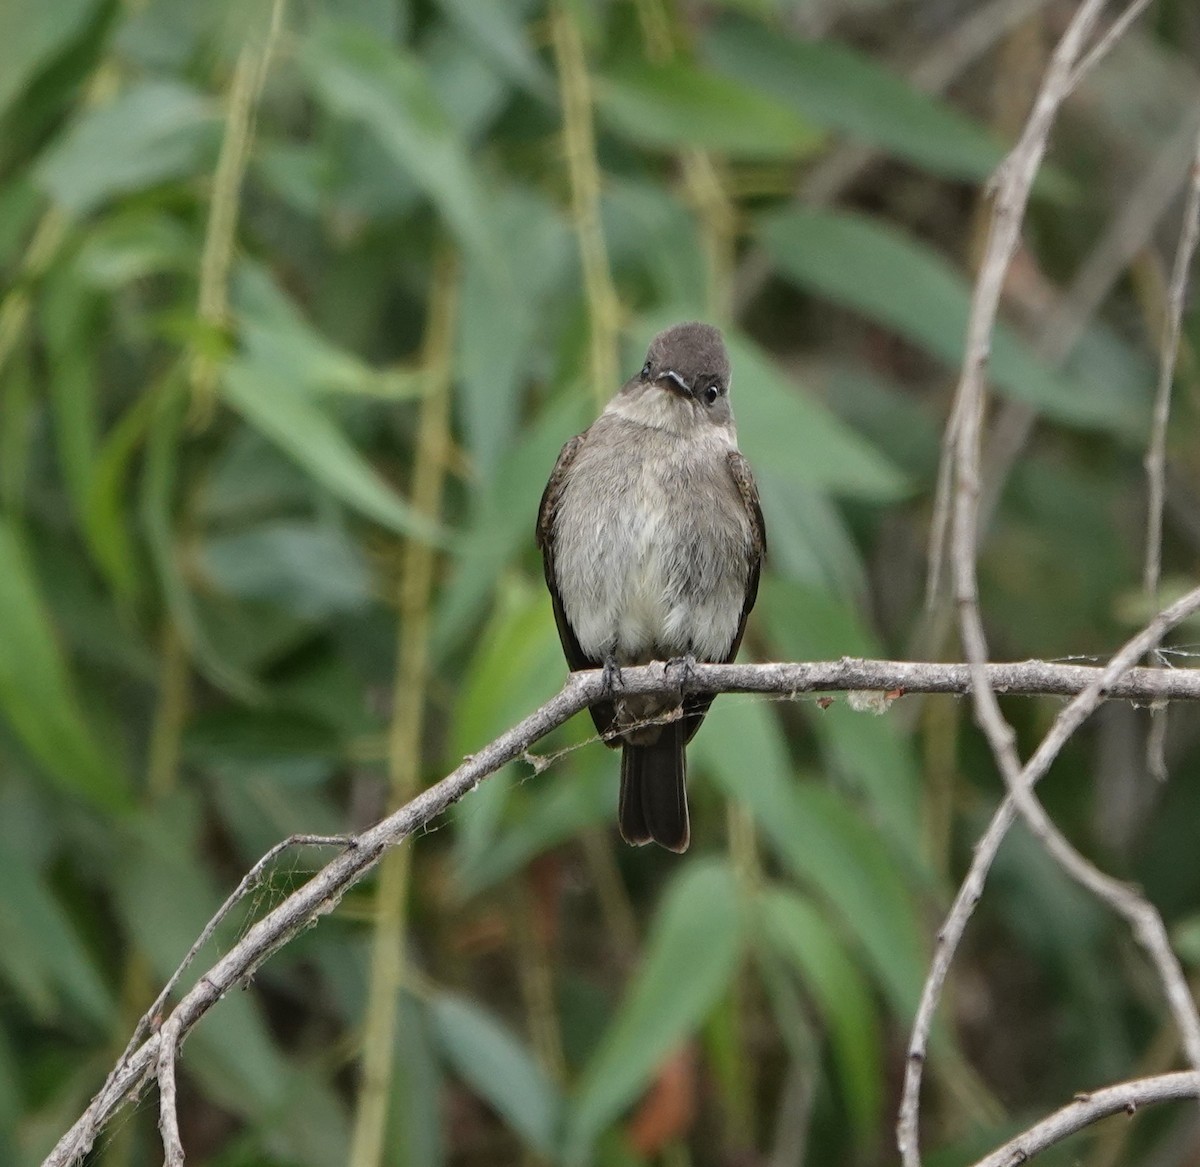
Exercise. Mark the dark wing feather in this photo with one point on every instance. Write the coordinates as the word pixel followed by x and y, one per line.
pixel 603 713
pixel 695 707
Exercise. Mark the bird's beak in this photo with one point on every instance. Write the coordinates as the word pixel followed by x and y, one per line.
pixel 676 383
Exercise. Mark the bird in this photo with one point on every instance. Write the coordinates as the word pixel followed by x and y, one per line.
pixel 652 540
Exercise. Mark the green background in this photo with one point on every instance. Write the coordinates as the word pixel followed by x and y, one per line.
pixel 273 293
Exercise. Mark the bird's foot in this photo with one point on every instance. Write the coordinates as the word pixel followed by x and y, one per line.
pixel 681 669
pixel 611 676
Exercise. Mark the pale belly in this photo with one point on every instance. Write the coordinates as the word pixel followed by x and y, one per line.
pixel 650 571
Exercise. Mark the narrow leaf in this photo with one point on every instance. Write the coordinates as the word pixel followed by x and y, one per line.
pixel 840 89
pixel 156 130
pixel 32 32
pixel 800 933
pixel 359 76
pixel 37 697
pixel 897 282
pixel 310 436
pixel 691 956
pixel 499 1069
pixel 680 105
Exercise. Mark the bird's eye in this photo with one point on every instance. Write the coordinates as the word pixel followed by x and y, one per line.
pixel 711 394
pixel 645 370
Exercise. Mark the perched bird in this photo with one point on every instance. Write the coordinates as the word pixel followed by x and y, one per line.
pixel 652 539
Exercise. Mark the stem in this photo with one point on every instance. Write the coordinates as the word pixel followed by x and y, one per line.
pixel 220 233
pixel 409 696
pixel 579 143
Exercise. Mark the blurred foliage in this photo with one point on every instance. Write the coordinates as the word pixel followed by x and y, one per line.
pixel 221 227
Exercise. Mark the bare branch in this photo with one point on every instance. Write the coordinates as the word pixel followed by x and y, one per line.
pixel 1060 335
pixel 1086 1109
pixel 1156 452
pixel 324 890
pixel 168 1109
pixel 1014 182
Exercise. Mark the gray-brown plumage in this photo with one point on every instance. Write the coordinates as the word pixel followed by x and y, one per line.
pixel 652 539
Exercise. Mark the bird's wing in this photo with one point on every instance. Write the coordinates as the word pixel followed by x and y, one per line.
pixel 743 479
pixel 547 512
pixel 602 713
pixel 696 706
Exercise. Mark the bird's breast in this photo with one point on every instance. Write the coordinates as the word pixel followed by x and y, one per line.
pixel 651 555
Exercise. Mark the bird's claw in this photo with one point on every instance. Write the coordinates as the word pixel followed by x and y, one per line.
pixel 685 666
pixel 611 675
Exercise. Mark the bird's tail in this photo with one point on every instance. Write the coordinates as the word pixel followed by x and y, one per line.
pixel 653 795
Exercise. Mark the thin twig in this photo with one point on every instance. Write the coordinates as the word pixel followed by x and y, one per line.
pixel 959 513
pixel 1013 185
pixel 168 1107
pixel 1086 1109
pixel 1104 44
pixel 941 521
pixel 153 1015
pixel 1156 451
pixel 322 893
pixel 1103 683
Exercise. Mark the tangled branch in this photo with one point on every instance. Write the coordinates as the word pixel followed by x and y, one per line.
pixel 158 1037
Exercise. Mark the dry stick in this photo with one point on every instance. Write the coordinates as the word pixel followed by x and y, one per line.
pixel 324 890
pixel 249 882
pixel 1086 1109
pixel 1156 451
pixel 941 521
pixel 1124 237
pixel 1104 44
pixel 168 1110
pixel 1015 180
pixel 1103 684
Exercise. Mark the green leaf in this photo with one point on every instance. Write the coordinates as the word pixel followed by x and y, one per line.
pixel 801 934
pixel 159 485
pixel 872 268
pixel 806 623
pixel 500 337
pixel 499 1069
pixel 516 665
pixel 497 29
pixel 691 956
pixel 842 90
pixel 823 839
pixel 122 248
pixel 1185 939
pixel 41 955
pixel 32 33
pixel 106 513
pixel 37 696
pixel 807 537
pixel 311 437
pixel 679 105
pixel 787 431
pixel 312 571
pixel 562 804
pixel 155 131
pixel 358 76
pixel 501 524
pixel 276 337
